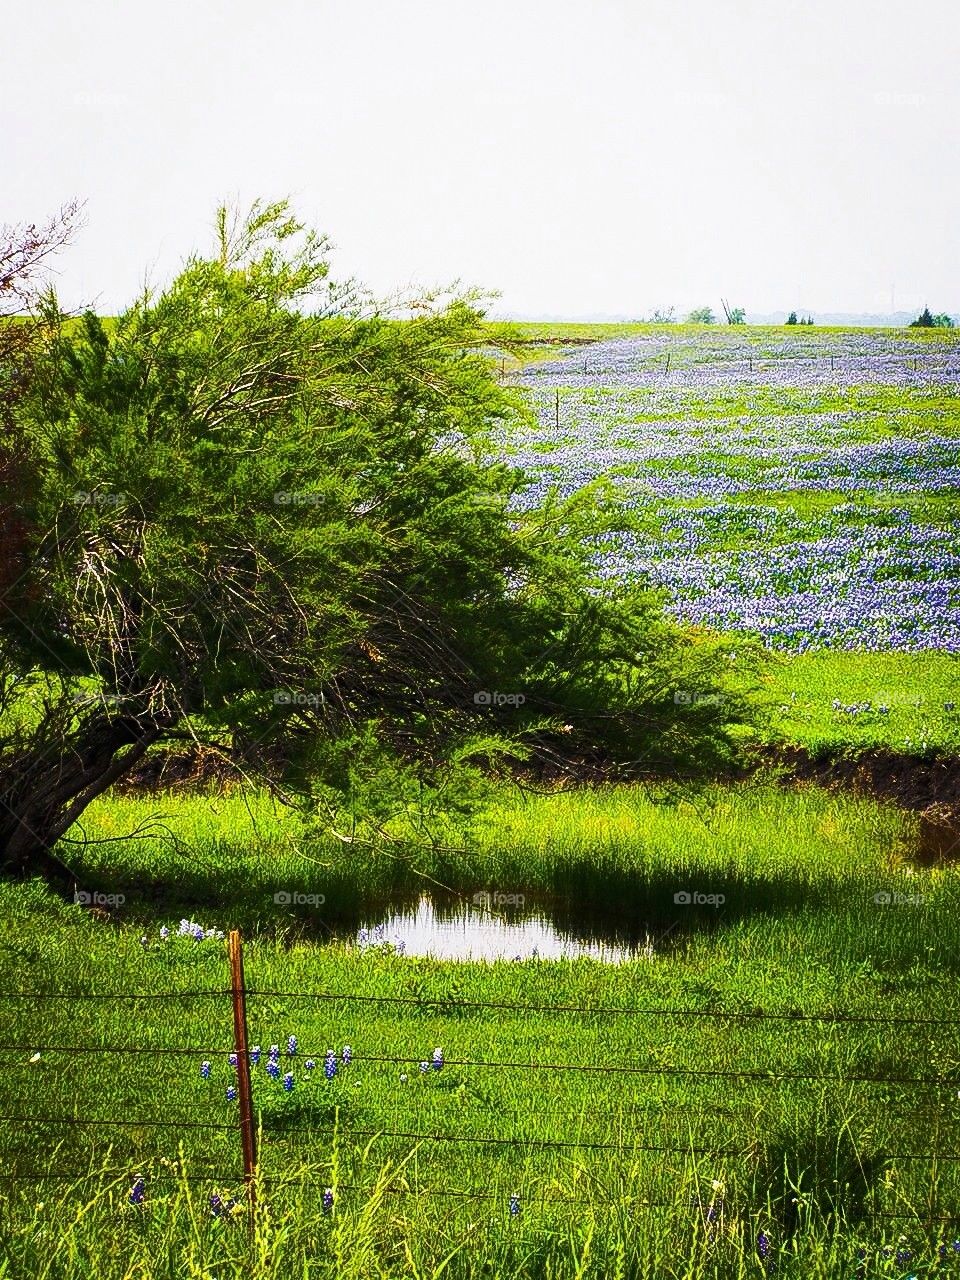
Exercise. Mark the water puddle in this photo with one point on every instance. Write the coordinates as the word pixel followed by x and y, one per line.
pixel 462 931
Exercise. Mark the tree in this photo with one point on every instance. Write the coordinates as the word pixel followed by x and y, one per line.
pixel 942 321
pixel 734 315
pixel 791 318
pixel 283 535
pixel 701 315
pixel 923 321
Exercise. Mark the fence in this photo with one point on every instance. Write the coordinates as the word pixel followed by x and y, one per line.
pixel 243 1131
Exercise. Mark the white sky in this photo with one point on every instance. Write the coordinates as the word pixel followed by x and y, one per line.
pixel 581 158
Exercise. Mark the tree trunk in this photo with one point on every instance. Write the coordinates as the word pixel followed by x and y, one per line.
pixel 43 791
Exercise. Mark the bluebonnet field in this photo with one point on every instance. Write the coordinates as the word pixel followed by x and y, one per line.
pixel 800 488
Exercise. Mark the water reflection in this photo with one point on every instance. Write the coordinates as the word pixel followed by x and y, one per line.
pixel 460 930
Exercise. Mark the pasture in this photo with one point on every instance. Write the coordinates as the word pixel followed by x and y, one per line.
pixel 767 1083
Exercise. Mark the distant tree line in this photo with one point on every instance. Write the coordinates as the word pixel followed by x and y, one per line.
pixel 926 321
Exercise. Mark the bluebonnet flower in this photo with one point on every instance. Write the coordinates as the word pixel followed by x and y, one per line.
pixel 205 1070
pixel 288 1081
pixel 274 1053
pixel 763 1245
pixel 437 1059
pixel 291 1045
pixel 514 1205
pixel 949 706
pixel 378 933
pixel 164 933
pixel 138 1191
pixel 232 1059
pixel 330 1064
pixel 347 1055
pixel 273 1069
pixel 309 1064
pixel 400 947
pixel 255 1054
pixel 363 937
pixel 424 1068
pixel 231 1093
pixel 219 1209
pixel 327 1200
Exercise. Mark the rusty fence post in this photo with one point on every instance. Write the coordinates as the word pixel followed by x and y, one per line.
pixel 244 1091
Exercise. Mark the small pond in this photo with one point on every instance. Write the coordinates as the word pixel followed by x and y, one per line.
pixel 467 931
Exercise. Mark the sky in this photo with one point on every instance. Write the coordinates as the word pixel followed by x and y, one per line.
pixel 580 159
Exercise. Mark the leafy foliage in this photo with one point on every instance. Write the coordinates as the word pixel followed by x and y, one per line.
pixel 265 519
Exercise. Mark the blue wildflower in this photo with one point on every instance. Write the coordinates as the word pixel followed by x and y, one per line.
pixel 138 1191
pixel 309 1064
pixel 514 1205
pixel 330 1064
pixel 437 1059
pixel 424 1068
pixel 164 933
pixel 291 1045
pixel 255 1054
pixel 205 1070
pixel 273 1070
pixel 231 1093
pixel 347 1055
pixel 327 1200
pixel 232 1059
pixel 288 1081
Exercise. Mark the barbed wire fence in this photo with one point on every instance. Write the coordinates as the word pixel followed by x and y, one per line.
pixel 243 1131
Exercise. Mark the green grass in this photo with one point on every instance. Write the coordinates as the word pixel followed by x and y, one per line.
pixel 799 934
pixel 920 691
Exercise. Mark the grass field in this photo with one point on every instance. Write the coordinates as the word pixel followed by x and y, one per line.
pixel 770 1084
pixel 722 1091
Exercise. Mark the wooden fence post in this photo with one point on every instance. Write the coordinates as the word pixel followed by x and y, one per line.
pixel 244 1091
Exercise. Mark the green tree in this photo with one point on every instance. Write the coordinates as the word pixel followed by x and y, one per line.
pixel 791 318
pixel 701 315
pixel 284 535
pixel 942 321
pixel 923 321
